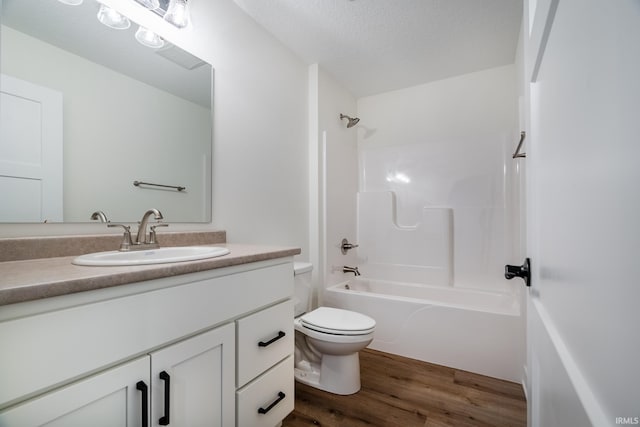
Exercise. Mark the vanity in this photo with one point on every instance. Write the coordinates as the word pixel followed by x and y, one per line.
pixel 205 342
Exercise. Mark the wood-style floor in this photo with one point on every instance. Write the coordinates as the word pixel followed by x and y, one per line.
pixel 402 392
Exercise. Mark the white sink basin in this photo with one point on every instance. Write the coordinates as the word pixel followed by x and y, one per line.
pixel 151 256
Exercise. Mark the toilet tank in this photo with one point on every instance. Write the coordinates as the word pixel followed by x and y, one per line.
pixel 303 289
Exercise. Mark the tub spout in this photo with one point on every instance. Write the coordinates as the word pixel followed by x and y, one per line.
pixel 354 270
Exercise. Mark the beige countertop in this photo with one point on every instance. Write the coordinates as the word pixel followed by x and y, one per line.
pixel 33 279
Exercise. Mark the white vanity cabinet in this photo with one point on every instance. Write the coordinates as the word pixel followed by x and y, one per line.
pixel 109 399
pixel 191 384
pixel 93 358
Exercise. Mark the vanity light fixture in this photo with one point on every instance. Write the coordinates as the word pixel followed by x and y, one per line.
pixel 149 38
pixel 177 13
pixel 112 18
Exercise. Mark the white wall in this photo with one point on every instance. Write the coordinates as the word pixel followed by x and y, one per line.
pixel 583 223
pixel 453 139
pixel 334 157
pixel 109 143
pixel 260 121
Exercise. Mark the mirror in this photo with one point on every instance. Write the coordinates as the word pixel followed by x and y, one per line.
pixel 87 110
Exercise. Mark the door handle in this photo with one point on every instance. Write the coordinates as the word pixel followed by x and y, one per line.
pixel 523 271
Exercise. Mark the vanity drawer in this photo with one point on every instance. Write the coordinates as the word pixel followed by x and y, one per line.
pixel 264 339
pixel 267 400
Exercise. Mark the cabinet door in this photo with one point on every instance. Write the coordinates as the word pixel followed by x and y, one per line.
pixel 109 399
pixel 193 381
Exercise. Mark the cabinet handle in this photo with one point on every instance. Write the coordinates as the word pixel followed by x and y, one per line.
pixel 164 420
pixel 281 334
pixel 140 385
pixel 281 396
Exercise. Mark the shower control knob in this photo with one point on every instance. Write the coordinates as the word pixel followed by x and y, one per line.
pixel 345 246
pixel 523 271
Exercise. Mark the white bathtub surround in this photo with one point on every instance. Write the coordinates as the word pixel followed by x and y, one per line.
pixel 421 252
pixel 465 176
pixel 472 330
pixel 449 144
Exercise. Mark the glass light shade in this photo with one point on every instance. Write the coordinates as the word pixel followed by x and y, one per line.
pixel 177 13
pixel 149 38
pixel 150 4
pixel 113 19
pixel 71 2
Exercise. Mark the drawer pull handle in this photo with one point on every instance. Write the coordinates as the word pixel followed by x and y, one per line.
pixel 281 334
pixel 140 385
pixel 281 396
pixel 164 420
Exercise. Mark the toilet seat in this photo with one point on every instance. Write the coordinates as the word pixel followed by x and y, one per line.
pixel 337 321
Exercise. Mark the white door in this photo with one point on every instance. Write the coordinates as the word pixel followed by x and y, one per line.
pixel 110 399
pixel 583 164
pixel 30 152
pixel 193 381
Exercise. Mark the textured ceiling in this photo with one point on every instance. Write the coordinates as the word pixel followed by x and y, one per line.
pixel 374 46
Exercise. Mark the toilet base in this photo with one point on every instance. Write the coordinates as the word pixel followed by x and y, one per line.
pixel 335 374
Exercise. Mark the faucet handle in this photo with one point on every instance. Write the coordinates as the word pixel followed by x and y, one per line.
pixel 345 246
pixel 126 243
pixel 152 233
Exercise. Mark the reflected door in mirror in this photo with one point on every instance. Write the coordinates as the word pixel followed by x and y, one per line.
pixel 30 152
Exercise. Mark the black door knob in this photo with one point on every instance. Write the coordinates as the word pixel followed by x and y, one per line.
pixel 524 271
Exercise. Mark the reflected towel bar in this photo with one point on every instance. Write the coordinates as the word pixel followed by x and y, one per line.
pixel 177 187
pixel 518 154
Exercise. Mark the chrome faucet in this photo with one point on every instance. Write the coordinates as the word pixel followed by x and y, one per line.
pixel 354 270
pixel 99 215
pixel 141 238
pixel 142 242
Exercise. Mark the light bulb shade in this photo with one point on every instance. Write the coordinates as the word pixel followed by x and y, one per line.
pixel 150 4
pixel 177 13
pixel 113 19
pixel 149 38
pixel 71 2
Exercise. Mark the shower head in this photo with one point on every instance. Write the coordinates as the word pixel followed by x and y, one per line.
pixel 352 120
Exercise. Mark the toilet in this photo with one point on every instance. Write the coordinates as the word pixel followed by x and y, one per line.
pixel 327 340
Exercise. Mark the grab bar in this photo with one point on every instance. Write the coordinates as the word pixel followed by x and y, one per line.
pixel 177 187
pixel 518 154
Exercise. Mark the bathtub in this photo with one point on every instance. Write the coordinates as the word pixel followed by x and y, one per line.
pixel 467 329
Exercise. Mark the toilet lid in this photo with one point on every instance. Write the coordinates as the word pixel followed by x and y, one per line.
pixel 338 321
